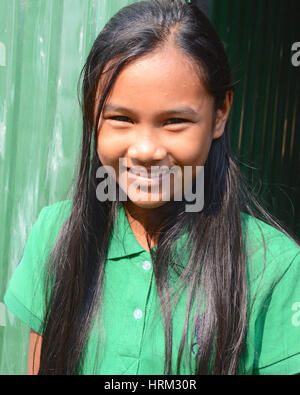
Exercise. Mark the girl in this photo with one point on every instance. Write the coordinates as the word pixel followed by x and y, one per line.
pixel 142 285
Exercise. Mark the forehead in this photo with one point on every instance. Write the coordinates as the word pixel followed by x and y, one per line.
pixel 164 75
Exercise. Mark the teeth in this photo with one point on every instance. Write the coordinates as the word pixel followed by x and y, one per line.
pixel 152 174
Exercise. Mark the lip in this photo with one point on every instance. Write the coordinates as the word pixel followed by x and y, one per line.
pixel 146 180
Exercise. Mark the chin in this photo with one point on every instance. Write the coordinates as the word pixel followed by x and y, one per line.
pixel 148 204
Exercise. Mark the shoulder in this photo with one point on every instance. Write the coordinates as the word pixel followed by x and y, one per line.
pixel 58 211
pixel 43 234
pixel 50 219
pixel 255 231
pixel 268 250
pixel 45 229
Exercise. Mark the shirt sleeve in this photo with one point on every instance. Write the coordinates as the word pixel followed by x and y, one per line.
pixel 277 329
pixel 25 295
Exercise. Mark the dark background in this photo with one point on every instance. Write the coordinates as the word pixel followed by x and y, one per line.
pixel 265 120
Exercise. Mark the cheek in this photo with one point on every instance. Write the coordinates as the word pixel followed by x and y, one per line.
pixel 194 151
pixel 109 149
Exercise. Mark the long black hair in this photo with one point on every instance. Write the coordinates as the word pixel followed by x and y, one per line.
pixel 215 270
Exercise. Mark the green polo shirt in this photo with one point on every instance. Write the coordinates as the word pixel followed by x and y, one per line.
pixel 132 335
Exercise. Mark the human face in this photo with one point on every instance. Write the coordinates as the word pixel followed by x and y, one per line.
pixel 158 113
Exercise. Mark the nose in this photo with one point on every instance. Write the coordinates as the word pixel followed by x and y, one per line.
pixel 146 149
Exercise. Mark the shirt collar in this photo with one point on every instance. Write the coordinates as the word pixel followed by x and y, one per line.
pixel 123 241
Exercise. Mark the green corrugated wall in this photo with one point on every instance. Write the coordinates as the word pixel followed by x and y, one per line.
pixel 265 122
pixel 43 45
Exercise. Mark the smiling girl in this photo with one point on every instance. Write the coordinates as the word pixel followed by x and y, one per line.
pixel 142 285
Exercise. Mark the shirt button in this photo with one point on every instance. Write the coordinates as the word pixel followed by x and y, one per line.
pixel 138 314
pixel 146 265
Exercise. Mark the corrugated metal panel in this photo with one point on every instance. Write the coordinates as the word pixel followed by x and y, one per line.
pixel 43 46
pixel 265 122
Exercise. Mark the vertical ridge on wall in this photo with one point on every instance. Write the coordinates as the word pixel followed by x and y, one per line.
pixel 258 36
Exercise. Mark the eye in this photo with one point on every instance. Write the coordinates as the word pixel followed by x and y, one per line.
pixel 173 121
pixel 120 118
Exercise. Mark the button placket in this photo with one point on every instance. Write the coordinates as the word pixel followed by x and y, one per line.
pixel 136 302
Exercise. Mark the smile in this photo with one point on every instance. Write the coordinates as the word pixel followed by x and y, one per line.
pixel 147 178
pixel 148 175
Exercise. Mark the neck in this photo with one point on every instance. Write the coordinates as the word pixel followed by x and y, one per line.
pixel 144 221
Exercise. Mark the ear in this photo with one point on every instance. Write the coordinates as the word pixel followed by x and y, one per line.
pixel 222 116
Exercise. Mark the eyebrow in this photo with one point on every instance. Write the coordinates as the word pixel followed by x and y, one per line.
pixel 183 110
